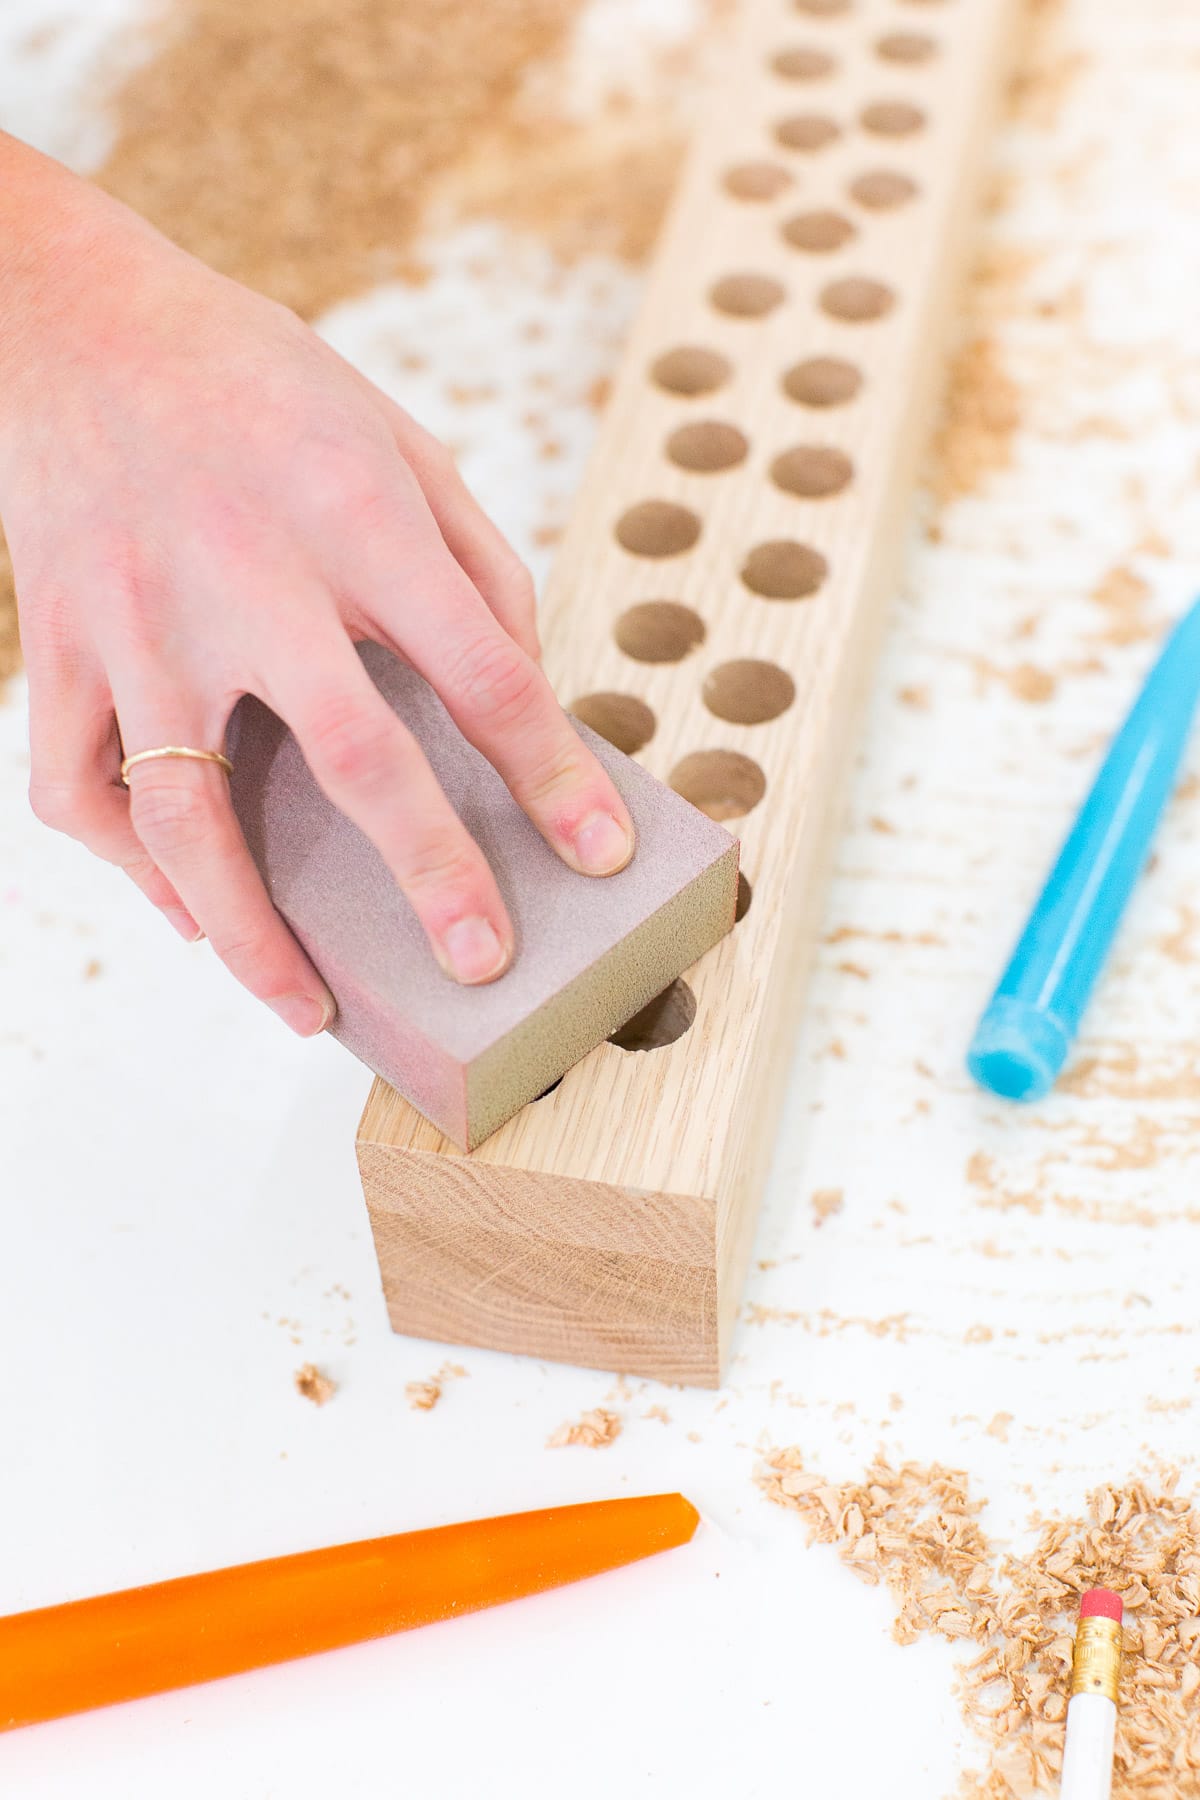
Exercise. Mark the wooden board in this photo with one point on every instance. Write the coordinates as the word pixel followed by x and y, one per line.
pixel 745 506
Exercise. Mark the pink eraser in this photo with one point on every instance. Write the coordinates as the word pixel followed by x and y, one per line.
pixel 1101 1603
pixel 590 952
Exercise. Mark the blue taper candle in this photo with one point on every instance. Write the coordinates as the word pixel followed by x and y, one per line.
pixel 1025 1035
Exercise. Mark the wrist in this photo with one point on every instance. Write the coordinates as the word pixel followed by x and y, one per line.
pixel 59 244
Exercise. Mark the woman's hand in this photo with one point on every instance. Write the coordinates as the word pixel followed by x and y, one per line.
pixel 202 500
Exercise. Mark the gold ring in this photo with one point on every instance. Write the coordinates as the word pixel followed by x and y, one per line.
pixel 166 750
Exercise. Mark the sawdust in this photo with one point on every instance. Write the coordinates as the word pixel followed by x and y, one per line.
pixel 312 1385
pixel 423 1396
pixel 1126 1072
pixel 1123 597
pixel 983 408
pixel 1180 945
pixel 595 1430
pixel 825 1203
pixel 916 1529
pixel 585 190
pixel 980 418
pixel 324 128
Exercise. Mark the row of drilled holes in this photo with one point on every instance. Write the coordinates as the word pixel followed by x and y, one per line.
pixel 724 783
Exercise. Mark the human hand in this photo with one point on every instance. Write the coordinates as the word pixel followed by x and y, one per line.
pixel 203 500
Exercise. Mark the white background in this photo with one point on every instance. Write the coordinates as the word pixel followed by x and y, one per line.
pixel 181 1223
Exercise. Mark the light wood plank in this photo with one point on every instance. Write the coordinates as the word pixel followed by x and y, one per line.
pixel 682 1135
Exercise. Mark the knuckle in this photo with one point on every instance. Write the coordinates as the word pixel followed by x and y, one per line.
pixel 247 950
pixel 342 483
pixel 495 681
pixel 553 777
pixel 443 464
pixel 441 862
pixel 168 816
pixel 61 808
pixel 516 580
pixel 351 744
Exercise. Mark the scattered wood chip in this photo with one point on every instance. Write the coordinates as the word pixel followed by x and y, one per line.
pixel 423 1396
pixel 595 1430
pixel 825 1203
pixel 313 1385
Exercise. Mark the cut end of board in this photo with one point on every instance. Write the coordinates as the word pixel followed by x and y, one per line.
pixel 569 1272
pixel 590 952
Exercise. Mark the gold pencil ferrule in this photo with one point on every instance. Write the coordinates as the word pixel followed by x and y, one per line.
pixel 1097 1661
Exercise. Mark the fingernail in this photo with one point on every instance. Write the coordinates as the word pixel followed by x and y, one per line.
pixel 473 951
pixel 306 1016
pixel 183 922
pixel 602 846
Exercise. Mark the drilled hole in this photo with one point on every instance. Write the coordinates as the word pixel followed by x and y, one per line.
pixel 880 189
pixel 623 719
pixel 822 381
pixel 690 370
pixel 813 471
pixel 748 692
pixel 803 65
pixel 819 231
pixel 707 447
pixel 892 118
pixel 745 893
pixel 757 181
pixel 906 47
pixel 659 631
pixel 661 1022
pixel 807 131
pixel 722 783
pixel 746 296
pixel 657 528
pixel 857 298
pixel 784 570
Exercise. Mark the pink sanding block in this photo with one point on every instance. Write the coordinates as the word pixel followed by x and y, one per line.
pixel 590 952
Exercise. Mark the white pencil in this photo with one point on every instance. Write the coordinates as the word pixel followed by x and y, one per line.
pixel 1092 1708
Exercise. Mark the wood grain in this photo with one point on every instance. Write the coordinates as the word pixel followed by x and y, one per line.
pixel 555 1235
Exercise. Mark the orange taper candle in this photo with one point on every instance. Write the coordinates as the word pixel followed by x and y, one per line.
pixel 67 1659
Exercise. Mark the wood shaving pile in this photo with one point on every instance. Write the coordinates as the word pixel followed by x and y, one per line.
pixel 294 144
pixel 595 1430
pixel 916 1529
pixel 313 1385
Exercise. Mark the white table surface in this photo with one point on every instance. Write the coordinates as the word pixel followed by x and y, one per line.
pixel 182 1224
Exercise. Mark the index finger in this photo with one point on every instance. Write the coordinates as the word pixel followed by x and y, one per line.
pixel 502 703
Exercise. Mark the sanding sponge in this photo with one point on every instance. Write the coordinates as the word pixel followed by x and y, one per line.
pixel 590 952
